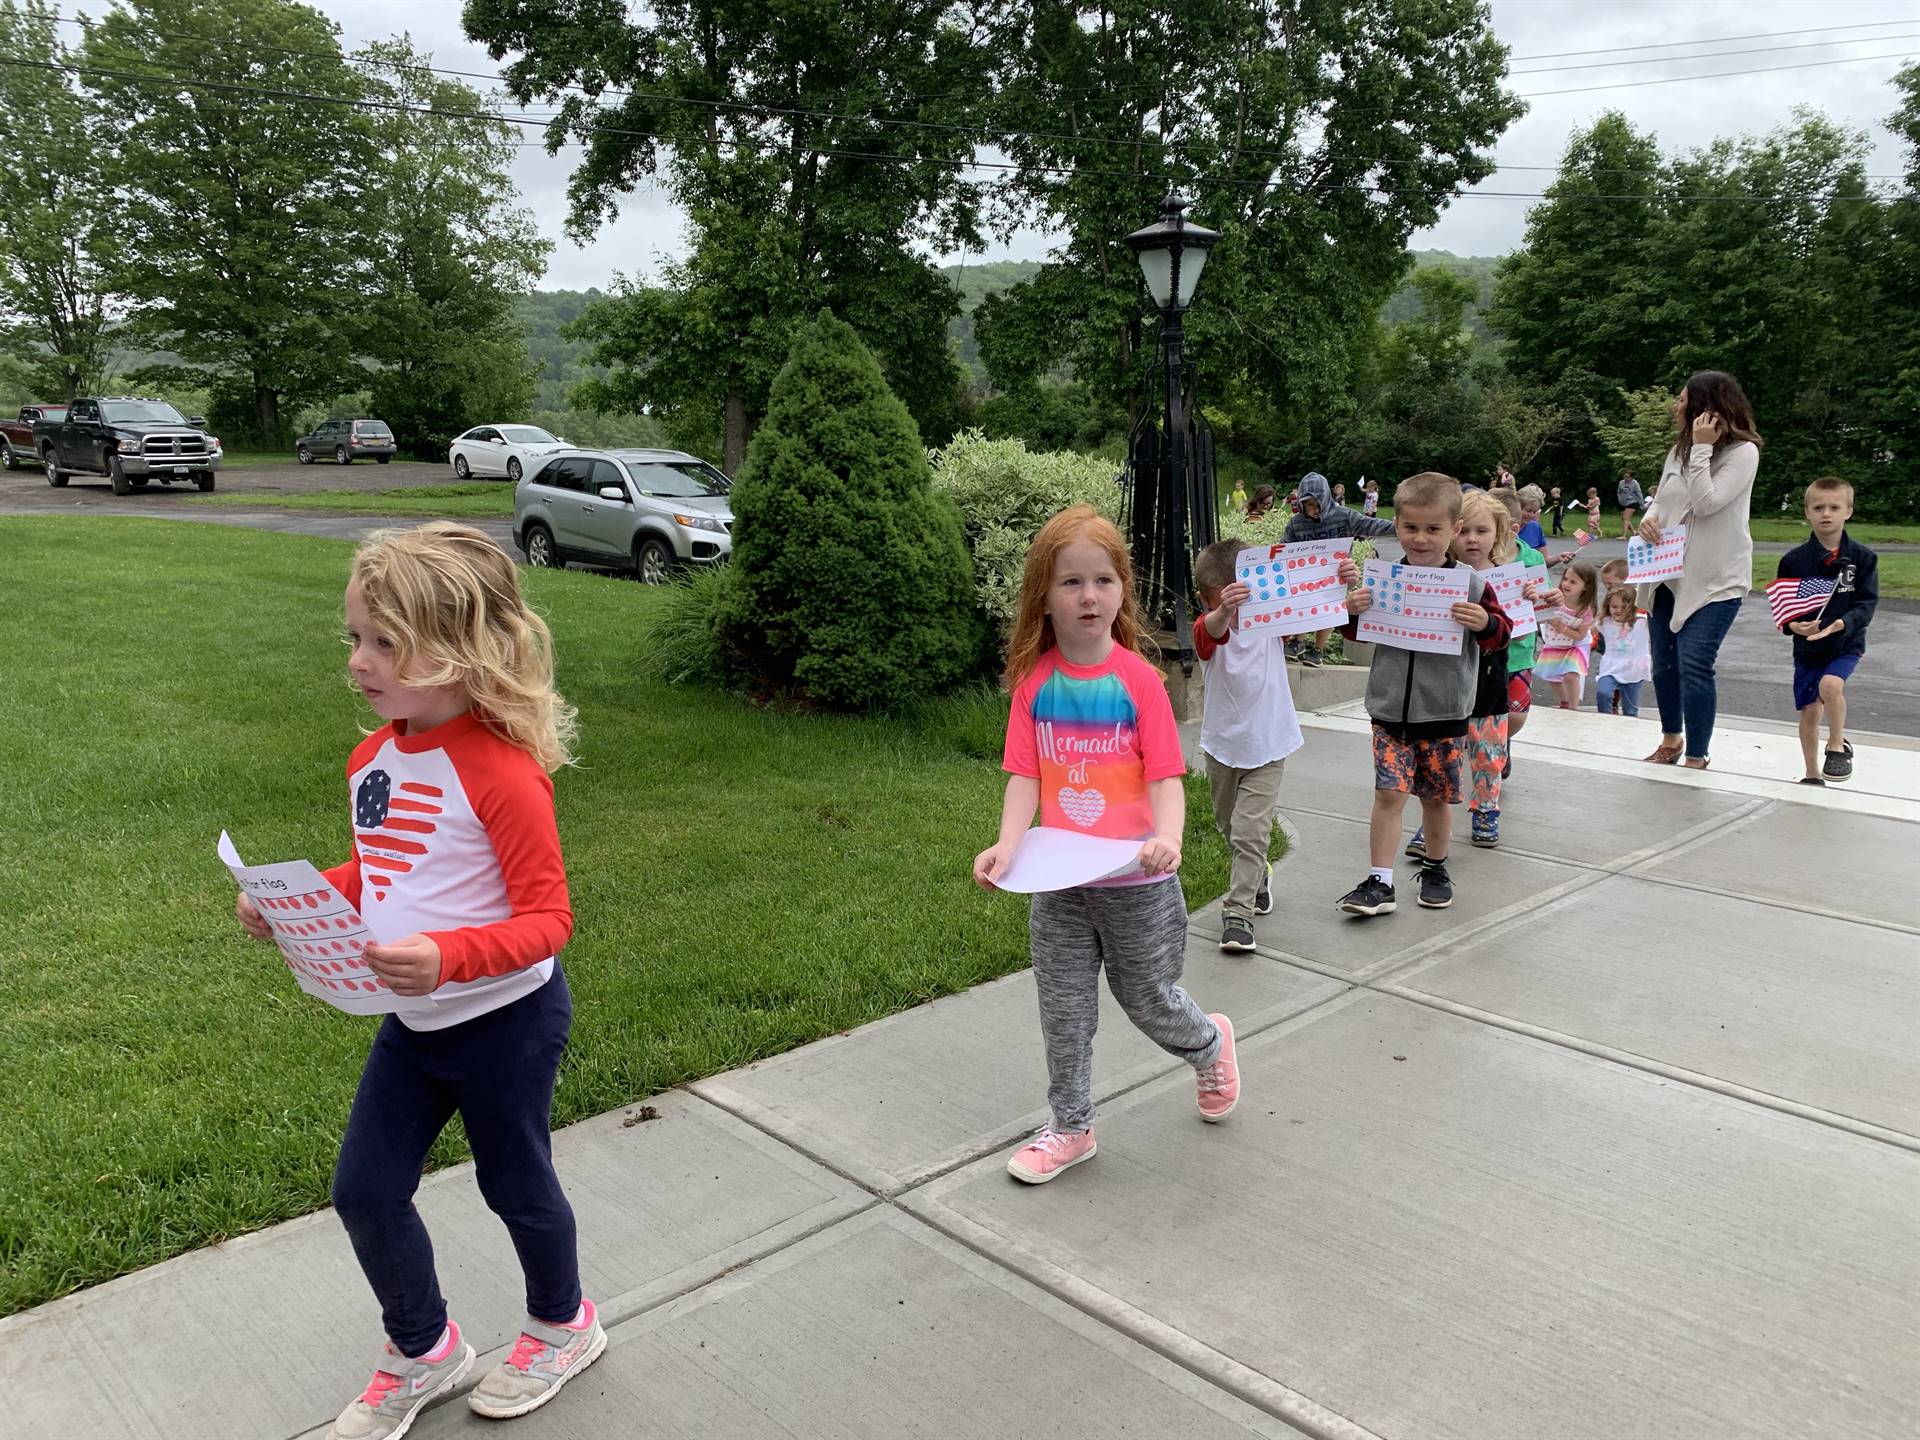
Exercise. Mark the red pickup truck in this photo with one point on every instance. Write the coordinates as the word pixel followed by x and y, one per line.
pixel 17 446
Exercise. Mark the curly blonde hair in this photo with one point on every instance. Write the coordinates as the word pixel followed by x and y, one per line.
pixel 449 599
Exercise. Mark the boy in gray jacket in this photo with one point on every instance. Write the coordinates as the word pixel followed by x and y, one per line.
pixel 1322 518
pixel 1419 702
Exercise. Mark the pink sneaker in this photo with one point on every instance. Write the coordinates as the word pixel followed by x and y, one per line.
pixel 1219 1083
pixel 1050 1152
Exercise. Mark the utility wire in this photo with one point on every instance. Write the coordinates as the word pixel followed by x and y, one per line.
pixel 985 135
pixel 779 148
pixel 1717 40
pixel 1715 55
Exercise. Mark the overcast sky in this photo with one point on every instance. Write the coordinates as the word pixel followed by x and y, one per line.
pixel 1681 114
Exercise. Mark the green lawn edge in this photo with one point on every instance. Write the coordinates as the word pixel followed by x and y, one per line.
pixel 745 880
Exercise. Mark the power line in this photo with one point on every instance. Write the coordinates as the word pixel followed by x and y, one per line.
pixel 1715 75
pixel 1717 40
pixel 775 147
pixel 1715 55
pixel 984 134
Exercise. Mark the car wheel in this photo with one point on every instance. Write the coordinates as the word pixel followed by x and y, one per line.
pixel 205 482
pixel 513 470
pixel 303 455
pixel 117 474
pixel 537 543
pixel 460 467
pixel 56 477
pixel 653 561
pixel 381 459
pixel 340 455
pixel 7 457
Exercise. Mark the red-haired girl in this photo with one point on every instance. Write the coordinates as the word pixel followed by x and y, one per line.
pixel 1092 744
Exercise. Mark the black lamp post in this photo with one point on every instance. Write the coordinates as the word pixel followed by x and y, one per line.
pixel 1178 515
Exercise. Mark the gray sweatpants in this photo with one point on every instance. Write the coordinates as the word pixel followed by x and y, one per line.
pixel 1244 802
pixel 1139 933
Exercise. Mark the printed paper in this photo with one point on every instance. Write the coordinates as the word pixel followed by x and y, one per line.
pixel 1658 561
pixel 1507 583
pixel 1296 588
pixel 1412 605
pixel 1054 859
pixel 319 933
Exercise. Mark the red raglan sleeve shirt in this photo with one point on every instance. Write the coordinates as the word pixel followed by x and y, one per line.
pixel 455 838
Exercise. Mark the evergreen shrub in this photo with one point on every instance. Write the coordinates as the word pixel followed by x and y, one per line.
pixel 851 583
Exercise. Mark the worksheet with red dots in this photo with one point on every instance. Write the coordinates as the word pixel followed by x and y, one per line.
pixel 319 933
pixel 1292 588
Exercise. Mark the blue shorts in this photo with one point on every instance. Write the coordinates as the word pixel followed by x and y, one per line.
pixel 1807 678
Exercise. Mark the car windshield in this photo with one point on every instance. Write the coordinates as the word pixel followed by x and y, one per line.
pixel 122 412
pixel 53 412
pixel 678 479
pixel 527 435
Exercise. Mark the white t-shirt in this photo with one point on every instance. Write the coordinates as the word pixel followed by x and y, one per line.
pixel 1249 719
pixel 1629 653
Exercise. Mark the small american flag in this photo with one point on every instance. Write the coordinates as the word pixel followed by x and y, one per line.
pixel 1787 598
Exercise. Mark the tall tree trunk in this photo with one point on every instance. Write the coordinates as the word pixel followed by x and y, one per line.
pixel 266 411
pixel 735 431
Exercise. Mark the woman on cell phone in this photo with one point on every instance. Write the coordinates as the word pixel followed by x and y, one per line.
pixel 1706 485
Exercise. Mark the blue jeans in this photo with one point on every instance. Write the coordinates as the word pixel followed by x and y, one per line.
pixel 497 1070
pixel 1606 687
pixel 1683 667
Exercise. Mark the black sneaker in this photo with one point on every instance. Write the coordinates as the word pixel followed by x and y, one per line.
pixel 1372 896
pixel 1263 897
pixel 1811 780
pixel 1310 655
pixel 1293 649
pixel 1436 885
pixel 1236 933
pixel 1839 764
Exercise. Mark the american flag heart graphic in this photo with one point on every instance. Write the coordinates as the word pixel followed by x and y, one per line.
pixel 392 828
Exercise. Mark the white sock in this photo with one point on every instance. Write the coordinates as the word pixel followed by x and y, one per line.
pixel 1384 874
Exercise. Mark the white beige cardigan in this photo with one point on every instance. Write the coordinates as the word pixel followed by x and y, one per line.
pixel 1711 495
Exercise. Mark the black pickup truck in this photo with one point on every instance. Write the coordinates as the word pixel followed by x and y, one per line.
pixel 129 441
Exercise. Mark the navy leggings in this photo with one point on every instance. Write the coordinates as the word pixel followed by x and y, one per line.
pixel 497 1070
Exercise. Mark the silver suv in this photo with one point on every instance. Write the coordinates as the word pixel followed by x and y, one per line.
pixel 647 511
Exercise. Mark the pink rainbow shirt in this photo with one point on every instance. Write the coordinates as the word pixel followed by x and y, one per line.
pixel 1094 736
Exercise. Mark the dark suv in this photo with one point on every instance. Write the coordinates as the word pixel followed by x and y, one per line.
pixel 346 441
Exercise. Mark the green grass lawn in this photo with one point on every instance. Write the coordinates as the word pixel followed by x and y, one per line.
pixel 1899 574
pixel 744 880
pixel 473 499
pixel 1793 529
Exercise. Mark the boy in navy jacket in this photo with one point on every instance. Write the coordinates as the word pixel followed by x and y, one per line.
pixel 1828 644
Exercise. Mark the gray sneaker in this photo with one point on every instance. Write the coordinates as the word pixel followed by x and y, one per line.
pixel 401 1389
pixel 1263 898
pixel 544 1358
pixel 1236 934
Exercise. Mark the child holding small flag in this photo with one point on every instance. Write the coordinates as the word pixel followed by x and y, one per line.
pixel 1825 597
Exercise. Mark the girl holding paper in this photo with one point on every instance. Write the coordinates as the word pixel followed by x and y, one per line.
pixel 1706 484
pixel 456 851
pixel 1092 744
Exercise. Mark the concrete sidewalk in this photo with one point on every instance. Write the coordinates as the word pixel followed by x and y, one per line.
pixel 1626 1143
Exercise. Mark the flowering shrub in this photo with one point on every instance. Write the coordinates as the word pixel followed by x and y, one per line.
pixel 1006 492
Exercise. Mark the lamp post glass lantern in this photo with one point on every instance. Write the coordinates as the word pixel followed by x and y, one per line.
pixel 1172 510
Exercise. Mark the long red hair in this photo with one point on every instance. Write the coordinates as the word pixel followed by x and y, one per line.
pixel 1032 633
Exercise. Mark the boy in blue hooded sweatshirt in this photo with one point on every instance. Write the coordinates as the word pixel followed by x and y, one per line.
pixel 1320 518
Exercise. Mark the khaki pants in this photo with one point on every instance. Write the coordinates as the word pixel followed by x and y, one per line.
pixel 1244 802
